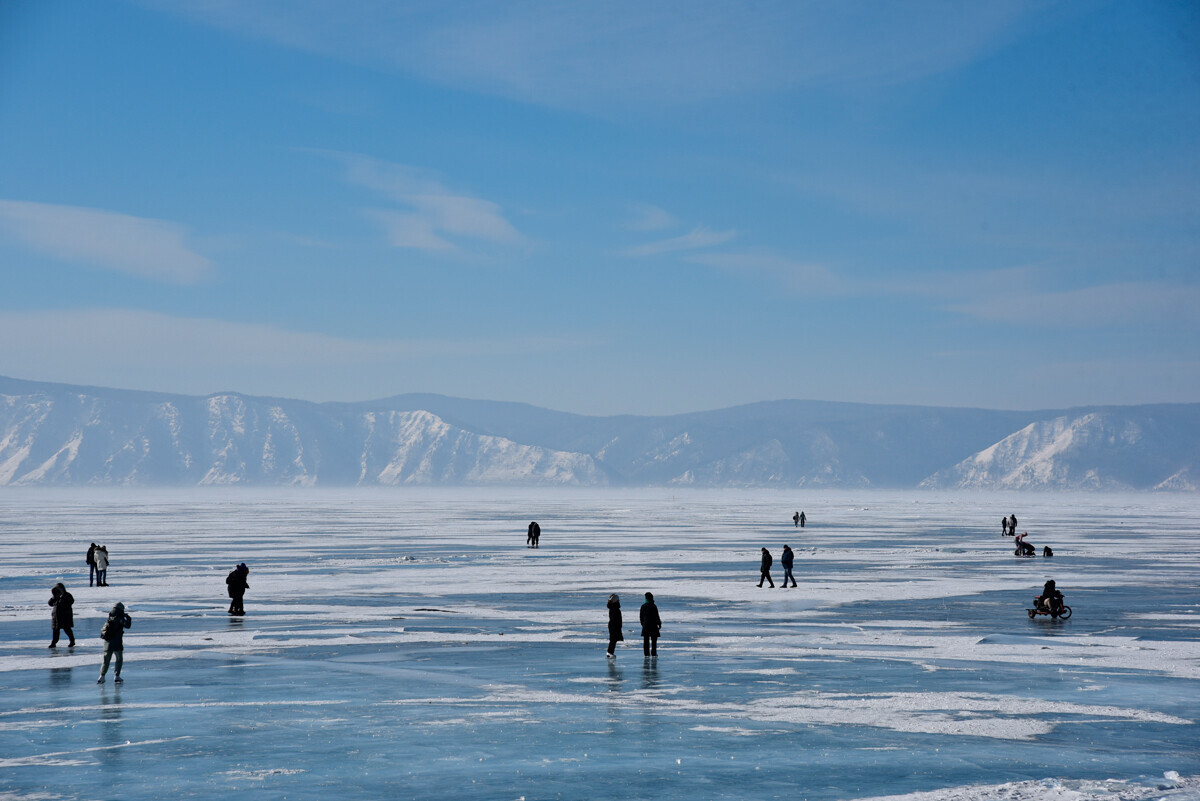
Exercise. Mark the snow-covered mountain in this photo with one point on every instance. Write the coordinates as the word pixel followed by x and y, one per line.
pixel 54 434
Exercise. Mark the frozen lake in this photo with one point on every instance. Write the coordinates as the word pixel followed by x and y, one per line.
pixel 406 644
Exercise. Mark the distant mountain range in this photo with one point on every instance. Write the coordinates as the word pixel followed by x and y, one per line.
pixel 56 434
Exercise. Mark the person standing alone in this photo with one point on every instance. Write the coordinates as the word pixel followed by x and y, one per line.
pixel 62 615
pixel 651 626
pixel 237 585
pixel 614 625
pixel 113 634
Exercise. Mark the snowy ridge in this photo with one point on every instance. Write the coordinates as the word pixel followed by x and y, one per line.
pixel 1092 451
pixel 52 434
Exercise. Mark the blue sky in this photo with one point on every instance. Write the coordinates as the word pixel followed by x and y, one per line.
pixel 644 207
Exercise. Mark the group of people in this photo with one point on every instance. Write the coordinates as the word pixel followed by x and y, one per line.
pixel 97 562
pixel 787 559
pixel 649 618
pixel 1008 526
pixel 1023 548
pixel 799 519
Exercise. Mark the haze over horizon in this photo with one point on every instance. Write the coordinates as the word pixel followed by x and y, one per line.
pixel 643 208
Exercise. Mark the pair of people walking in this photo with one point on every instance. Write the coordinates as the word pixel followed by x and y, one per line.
pixel 533 536
pixel 97 562
pixel 799 519
pixel 1008 526
pixel 236 584
pixel 62 618
pixel 649 618
pixel 787 559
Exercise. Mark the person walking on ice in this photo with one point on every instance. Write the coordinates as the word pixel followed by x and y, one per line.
pixel 62 615
pixel 796 519
pixel 786 560
pixel 113 633
pixel 802 519
pixel 651 626
pixel 765 568
pixel 614 625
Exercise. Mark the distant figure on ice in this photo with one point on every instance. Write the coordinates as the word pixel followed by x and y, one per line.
pixel 113 634
pixel 1024 548
pixel 1047 551
pixel 1004 527
pixel 765 568
pixel 535 534
pixel 1012 525
pixel 796 519
pixel 614 625
pixel 237 585
pixel 62 615
pixel 91 563
pixel 101 557
pixel 786 560
pixel 651 626
pixel 802 519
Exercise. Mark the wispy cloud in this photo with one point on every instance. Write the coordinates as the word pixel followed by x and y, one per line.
pixel 803 277
pixel 434 217
pixel 647 217
pixel 1150 303
pixel 596 55
pixel 148 248
pixel 699 237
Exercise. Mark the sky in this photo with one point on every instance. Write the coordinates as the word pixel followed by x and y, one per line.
pixel 605 208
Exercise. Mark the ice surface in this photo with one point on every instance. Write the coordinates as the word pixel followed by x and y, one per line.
pixel 406 644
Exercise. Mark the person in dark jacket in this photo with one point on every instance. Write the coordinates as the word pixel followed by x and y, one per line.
pixel 796 519
pixel 786 559
pixel 765 567
pixel 237 586
pixel 803 518
pixel 651 626
pixel 1004 527
pixel 1050 599
pixel 535 534
pixel 614 625
pixel 113 634
pixel 91 563
pixel 62 615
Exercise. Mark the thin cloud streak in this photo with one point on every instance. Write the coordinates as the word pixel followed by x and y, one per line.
pixel 699 237
pixel 147 248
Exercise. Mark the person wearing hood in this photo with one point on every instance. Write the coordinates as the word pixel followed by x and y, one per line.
pixel 237 586
pixel 101 557
pixel 765 568
pixel 62 614
pixel 614 625
pixel 651 626
pixel 787 560
pixel 113 634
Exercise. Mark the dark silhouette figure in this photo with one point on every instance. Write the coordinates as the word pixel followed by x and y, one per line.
pixel 796 519
pixel 651 626
pixel 1050 599
pixel 765 567
pixel 1012 525
pixel 1004 527
pixel 91 563
pixel 101 557
pixel 535 534
pixel 237 586
pixel 803 518
pixel 113 634
pixel 786 559
pixel 62 615
pixel 614 625
pixel 1047 551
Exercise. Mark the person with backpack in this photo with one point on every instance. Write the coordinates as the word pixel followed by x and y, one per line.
pixel 101 557
pixel 62 614
pixel 91 563
pixel 765 568
pixel 651 626
pixel 796 519
pixel 787 560
pixel 237 585
pixel 113 634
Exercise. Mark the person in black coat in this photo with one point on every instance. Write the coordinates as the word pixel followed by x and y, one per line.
pixel 91 563
pixel 803 519
pixel 796 519
pixel 651 626
pixel 787 559
pixel 62 614
pixel 237 585
pixel 113 634
pixel 535 534
pixel 1050 599
pixel 765 567
pixel 614 625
